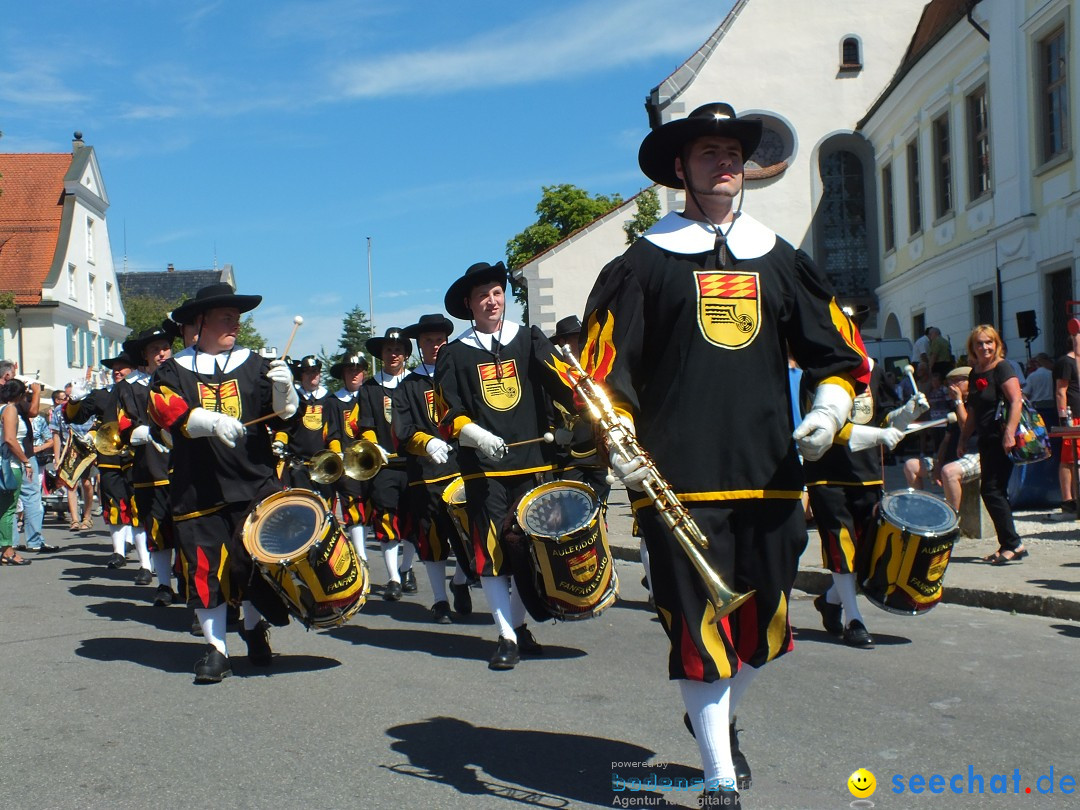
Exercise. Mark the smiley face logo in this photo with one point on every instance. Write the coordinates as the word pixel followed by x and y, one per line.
pixel 862 784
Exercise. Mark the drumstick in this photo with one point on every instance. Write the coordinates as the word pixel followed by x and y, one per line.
pixel 933 423
pixel 547 437
pixel 909 372
pixel 297 320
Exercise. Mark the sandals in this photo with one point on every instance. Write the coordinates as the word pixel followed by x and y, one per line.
pixel 1014 556
pixel 75 526
pixel 88 523
pixel 12 559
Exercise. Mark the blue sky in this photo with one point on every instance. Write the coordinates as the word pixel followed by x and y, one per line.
pixel 278 140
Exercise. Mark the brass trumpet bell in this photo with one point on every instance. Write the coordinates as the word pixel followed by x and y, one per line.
pixel 107 439
pixel 363 461
pixel 326 467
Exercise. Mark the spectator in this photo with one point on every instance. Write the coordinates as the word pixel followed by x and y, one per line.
pixel 993 381
pixel 1067 400
pixel 939 354
pixel 944 469
pixel 921 350
pixel 12 434
pixel 61 432
pixel 26 406
pixel 1039 385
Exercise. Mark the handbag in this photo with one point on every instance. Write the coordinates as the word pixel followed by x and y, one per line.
pixel 8 480
pixel 1032 438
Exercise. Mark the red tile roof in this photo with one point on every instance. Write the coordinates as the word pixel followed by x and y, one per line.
pixel 31 207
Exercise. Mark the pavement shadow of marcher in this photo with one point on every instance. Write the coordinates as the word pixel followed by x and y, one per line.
pixel 440 645
pixel 414 612
pixel 1070 630
pixel 95 568
pixel 539 768
pixel 819 636
pixel 166 619
pixel 167 656
pixel 125 589
pixel 1056 584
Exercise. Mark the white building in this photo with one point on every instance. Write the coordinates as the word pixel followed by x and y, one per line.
pixel 56 261
pixel 810 76
pixel 977 179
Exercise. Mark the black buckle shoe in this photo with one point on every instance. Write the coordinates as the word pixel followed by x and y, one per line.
pixel 831 616
pixel 506 655
pixel 44 548
pixel 165 597
pixel 392 592
pixel 144 577
pixel 743 779
pixel 117 561
pixel 856 635
pixel 526 642
pixel 408 582
pixel 258 644
pixel 462 599
pixel 212 667
pixel 440 612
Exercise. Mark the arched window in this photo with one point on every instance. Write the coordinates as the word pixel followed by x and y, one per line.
pixel 843 253
pixel 850 54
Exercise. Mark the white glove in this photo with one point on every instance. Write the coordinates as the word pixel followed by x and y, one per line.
pixel 202 424
pixel 79 389
pixel 492 446
pixel 383 453
pixel 863 437
pixel 140 435
pixel 285 400
pixel 815 434
pixel 631 471
pixel 908 412
pixel 437 450
pixel 563 437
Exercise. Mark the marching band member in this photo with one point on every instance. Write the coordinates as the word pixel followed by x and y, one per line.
pixel 845 487
pixel 351 494
pixel 150 471
pixel 689 330
pixel 202 396
pixel 489 386
pixel 310 430
pixel 115 485
pixel 431 468
pixel 389 487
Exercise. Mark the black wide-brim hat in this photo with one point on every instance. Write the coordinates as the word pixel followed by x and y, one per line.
pixel 658 151
pixel 214 296
pixel 136 346
pixel 429 323
pixel 359 360
pixel 305 363
pixel 570 325
pixel 374 346
pixel 122 359
pixel 479 273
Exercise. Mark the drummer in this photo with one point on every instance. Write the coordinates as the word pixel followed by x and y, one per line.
pixel 351 494
pixel 489 385
pixel 221 467
pixel 845 487
pixel 431 464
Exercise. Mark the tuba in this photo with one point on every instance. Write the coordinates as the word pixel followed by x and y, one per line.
pixel 683 527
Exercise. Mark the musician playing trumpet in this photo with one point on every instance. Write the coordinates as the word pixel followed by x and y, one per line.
pixel 203 396
pixel 689 331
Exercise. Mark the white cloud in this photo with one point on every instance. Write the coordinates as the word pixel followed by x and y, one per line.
pixel 597 35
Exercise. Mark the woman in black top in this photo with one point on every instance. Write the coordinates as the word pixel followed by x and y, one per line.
pixel 994 381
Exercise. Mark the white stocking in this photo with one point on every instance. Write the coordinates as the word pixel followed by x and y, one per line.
pixel 212 621
pixel 390 553
pixel 707 704
pixel 356 534
pixel 845 586
pixel 497 592
pixel 436 572
pixel 162 566
pixel 140 548
pixel 739 685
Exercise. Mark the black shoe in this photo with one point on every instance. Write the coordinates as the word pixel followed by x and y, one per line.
pixel 144 577
pixel 440 612
pixel 1068 507
pixel 506 655
pixel 856 635
pixel 392 592
pixel 462 599
pixel 44 548
pixel 258 644
pixel 743 779
pixel 526 642
pixel 117 561
pixel 165 597
pixel 408 582
pixel 831 616
pixel 212 667
pixel 719 798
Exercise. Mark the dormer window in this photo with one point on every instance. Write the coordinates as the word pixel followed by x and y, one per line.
pixel 850 55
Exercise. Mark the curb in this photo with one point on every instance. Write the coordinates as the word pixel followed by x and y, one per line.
pixel 1051 607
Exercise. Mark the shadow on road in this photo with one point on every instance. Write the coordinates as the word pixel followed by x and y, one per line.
pixel 440 645
pixel 180 656
pixel 820 636
pixel 538 768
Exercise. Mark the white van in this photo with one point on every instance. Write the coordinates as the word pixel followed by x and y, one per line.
pixel 891 355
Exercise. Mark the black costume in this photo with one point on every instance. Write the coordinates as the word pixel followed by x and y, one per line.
pixel 114 481
pixel 150 470
pixel 313 428
pixel 389 488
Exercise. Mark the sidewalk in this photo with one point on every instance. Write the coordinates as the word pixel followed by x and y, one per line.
pixel 1046 583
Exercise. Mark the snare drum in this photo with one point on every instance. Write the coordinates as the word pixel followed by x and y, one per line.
pixel 574 572
pixel 454 498
pixel 300 549
pixel 905 567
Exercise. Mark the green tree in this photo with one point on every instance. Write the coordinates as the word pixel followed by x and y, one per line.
pixel 355 331
pixel 647 215
pixel 562 210
pixel 248 336
pixel 142 312
pixel 7 301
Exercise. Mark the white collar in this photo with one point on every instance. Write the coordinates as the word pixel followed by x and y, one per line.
pixel 318 393
pixel 485 340
pixel 345 395
pixel 424 370
pixel 203 363
pixel 388 381
pixel 746 239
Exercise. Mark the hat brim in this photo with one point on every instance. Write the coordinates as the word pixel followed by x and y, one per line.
pixel 337 369
pixel 454 301
pixel 186 312
pixel 658 151
pixel 445 326
pixel 374 346
pixel 122 359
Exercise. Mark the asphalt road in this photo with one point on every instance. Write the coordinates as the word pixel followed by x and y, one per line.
pixel 99 709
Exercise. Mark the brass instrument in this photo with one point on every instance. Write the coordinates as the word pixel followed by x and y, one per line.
pixel 363 461
pixel 683 527
pixel 107 441
pixel 326 467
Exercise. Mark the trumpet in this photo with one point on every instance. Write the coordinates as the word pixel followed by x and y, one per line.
pixel 326 467
pixel 680 523
pixel 363 461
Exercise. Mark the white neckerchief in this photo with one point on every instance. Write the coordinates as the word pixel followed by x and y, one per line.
pixel 424 370
pixel 311 396
pixel 388 381
pixel 485 340
pixel 203 363
pixel 746 239
pixel 346 395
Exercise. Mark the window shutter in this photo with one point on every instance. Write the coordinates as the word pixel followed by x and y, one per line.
pixel 70 346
